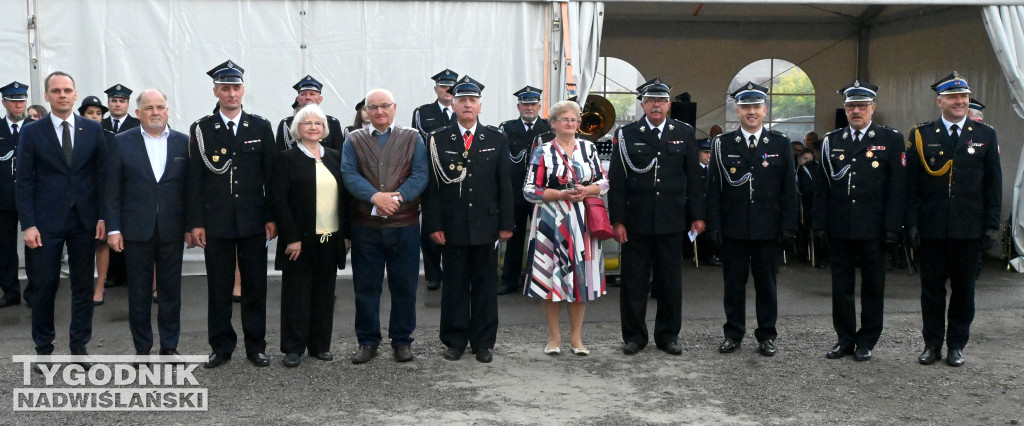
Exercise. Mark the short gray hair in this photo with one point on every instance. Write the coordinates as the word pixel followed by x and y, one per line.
pixel 386 92
pixel 138 99
pixel 302 115
pixel 563 107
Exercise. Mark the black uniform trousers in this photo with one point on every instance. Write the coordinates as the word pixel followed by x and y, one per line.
pixel 469 298
pixel 956 261
pixel 251 254
pixel 847 255
pixel 140 258
pixel 431 258
pixel 760 259
pixel 9 286
pixel 45 270
pixel 307 298
pixel 662 253
pixel 512 267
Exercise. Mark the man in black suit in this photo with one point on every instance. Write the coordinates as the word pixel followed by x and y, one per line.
pixel 119 121
pixel 751 202
pixel 654 187
pixel 58 190
pixel 427 118
pixel 145 211
pixel 859 195
pixel 231 160
pixel 117 102
pixel 310 91
pixel 954 192
pixel 520 133
pixel 467 210
pixel 14 95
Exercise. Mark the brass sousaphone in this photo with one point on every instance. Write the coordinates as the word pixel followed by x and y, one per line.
pixel 597 119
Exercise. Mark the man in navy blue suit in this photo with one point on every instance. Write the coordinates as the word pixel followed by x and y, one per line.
pixel 59 177
pixel 145 211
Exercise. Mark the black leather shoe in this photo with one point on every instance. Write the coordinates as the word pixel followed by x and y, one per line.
pixel 403 353
pixel 862 354
pixel 767 348
pixel 930 355
pixel 630 348
pixel 728 346
pixel 171 352
pixel 292 360
pixel 433 285
pixel 453 354
pixel 955 357
pixel 259 359
pixel 839 351
pixel 234 299
pixel 507 287
pixel 364 354
pixel 38 367
pixel 672 348
pixel 713 261
pixel 484 356
pixel 324 356
pixel 216 360
pixel 87 364
pixel 9 301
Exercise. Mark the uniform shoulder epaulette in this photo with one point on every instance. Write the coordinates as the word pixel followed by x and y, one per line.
pixel 680 123
pixel 778 133
pixel 503 123
pixel 260 118
pixel 331 118
pixel 985 124
pixel 203 118
pixel 920 125
pixel 834 131
pixel 493 128
pixel 109 131
pixel 438 130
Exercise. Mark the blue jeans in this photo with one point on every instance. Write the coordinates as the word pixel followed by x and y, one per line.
pixel 397 250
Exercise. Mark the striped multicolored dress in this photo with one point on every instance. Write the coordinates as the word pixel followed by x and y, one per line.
pixel 564 262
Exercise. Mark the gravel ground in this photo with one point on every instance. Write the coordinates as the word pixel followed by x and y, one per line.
pixel 524 386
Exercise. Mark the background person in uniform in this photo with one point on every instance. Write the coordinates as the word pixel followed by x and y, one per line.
pixel 92 109
pixel 58 180
pixel 567 264
pixel 145 211
pixel 806 169
pixel 36 112
pixel 954 191
pixel 308 199
pixel 427 118
pixel 361 120
pixel 654 179
pixel 520 133
pixel 118 97
pixel 752 213
pixel 310 91
pixel 975 110
pixel 231 160
pixel 14 96
pixel 385 234
pixel 467 210
pixel 707 251
pixel 859 196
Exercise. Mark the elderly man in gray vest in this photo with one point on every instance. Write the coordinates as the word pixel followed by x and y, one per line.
pixel 384 167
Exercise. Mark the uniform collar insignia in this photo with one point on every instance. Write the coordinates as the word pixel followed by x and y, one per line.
pixel 764 139
pixel 846 135
pixel 453 136
pixel 480 136
pixel 739 139
pixel 643 128
pixel 216 126
pixel 871 133
pixel 245 124
pixel 671 127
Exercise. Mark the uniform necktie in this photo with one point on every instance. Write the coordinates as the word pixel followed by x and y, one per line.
pixel 231 127
pixel 65 141
pixel 856 136
pixel 657 133
pixel 467 139
pixel 753 143
pixel 14 131
pixel 117 125
pixel 529 126
pixel 954 135
pixel 448 113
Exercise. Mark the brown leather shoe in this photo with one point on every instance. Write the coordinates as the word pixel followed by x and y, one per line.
pixel 364 354
pixel 403 353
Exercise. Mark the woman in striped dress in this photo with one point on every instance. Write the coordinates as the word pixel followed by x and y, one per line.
pixel 565 263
